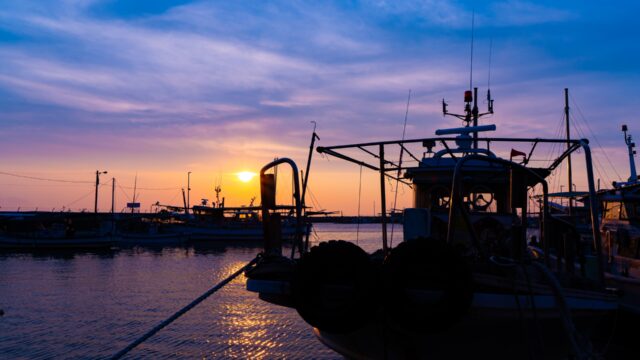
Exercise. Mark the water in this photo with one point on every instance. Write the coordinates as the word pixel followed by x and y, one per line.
pixel 88 305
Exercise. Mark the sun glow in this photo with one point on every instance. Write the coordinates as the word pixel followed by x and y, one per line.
pixel 245 176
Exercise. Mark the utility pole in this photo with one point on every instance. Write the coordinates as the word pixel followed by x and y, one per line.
pixel 113 195
pixel 98 172
pixel 188 191
pixel 566 116
pixel 184 201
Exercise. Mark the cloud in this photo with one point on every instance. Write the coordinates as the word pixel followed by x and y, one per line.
pixel 521 13
pixel 188 82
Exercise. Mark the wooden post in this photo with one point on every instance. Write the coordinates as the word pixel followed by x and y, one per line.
pixel 383 200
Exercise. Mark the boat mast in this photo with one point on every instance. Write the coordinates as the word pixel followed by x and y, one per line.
pixel 135 188
pixel 314 137
pixel 570 178
pixel 383 201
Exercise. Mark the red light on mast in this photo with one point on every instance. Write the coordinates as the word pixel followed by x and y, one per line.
pixel 468 96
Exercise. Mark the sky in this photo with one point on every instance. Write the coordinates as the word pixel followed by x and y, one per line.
pixel 150 90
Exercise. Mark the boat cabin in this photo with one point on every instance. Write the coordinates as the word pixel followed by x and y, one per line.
pixel 621 221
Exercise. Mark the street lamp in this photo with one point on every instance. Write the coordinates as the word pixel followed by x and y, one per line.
pixel 98 172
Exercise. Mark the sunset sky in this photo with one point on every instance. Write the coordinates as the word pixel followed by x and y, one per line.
pixel 159 88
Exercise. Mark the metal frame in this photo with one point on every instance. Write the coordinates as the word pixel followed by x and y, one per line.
pixel 573 145
pixel 296 196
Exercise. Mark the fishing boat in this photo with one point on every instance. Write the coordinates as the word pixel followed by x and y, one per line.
pixel 151 230
pixel 620 232
pixel 216 222
pixel 464 281
pixel 40 231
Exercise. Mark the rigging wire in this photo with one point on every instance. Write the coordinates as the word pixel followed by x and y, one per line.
pixel 598 165
pixel 314 200
pixel 594 136
pixel 124 192
pixel 395 196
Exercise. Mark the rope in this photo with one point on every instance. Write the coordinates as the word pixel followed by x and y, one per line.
pixel 182 311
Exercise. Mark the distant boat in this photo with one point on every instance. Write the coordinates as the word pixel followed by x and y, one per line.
pixel 148 231
pixel 217 222
pixel 229 223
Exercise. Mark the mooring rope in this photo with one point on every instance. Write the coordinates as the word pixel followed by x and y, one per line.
pixel 182 311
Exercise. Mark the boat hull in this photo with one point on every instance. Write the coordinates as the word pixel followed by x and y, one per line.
pixel 205 234
pixel 152 239
pixel 474 336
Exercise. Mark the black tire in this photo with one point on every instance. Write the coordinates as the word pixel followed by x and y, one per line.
pixel 334 287
pixel 432 266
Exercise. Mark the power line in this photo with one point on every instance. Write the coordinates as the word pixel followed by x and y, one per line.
pixel 45 179
pixel 79 181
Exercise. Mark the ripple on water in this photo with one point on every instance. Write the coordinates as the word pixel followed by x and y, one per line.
pixel 87 305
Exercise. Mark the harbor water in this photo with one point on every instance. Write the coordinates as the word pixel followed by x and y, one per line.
pixel 78 305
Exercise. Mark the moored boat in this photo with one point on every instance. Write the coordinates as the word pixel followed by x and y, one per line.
pixel 464 281
pixel 38 231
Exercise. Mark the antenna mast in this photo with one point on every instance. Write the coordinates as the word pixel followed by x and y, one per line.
pixel 473 15
pixel 633 176
pixel 570 177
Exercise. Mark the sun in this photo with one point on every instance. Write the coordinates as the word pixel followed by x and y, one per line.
pixel 245 176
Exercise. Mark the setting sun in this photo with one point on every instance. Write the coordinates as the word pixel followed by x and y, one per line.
pixel 245 176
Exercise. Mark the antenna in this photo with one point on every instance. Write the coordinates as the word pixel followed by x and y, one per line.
pixel 490 53
pixel 472 114
pixel 633 176
pixel 473 16
pixel 489 99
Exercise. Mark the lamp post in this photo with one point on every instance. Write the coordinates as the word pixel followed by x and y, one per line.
pixel 98 172
pixel 113 195
pixel 188 191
